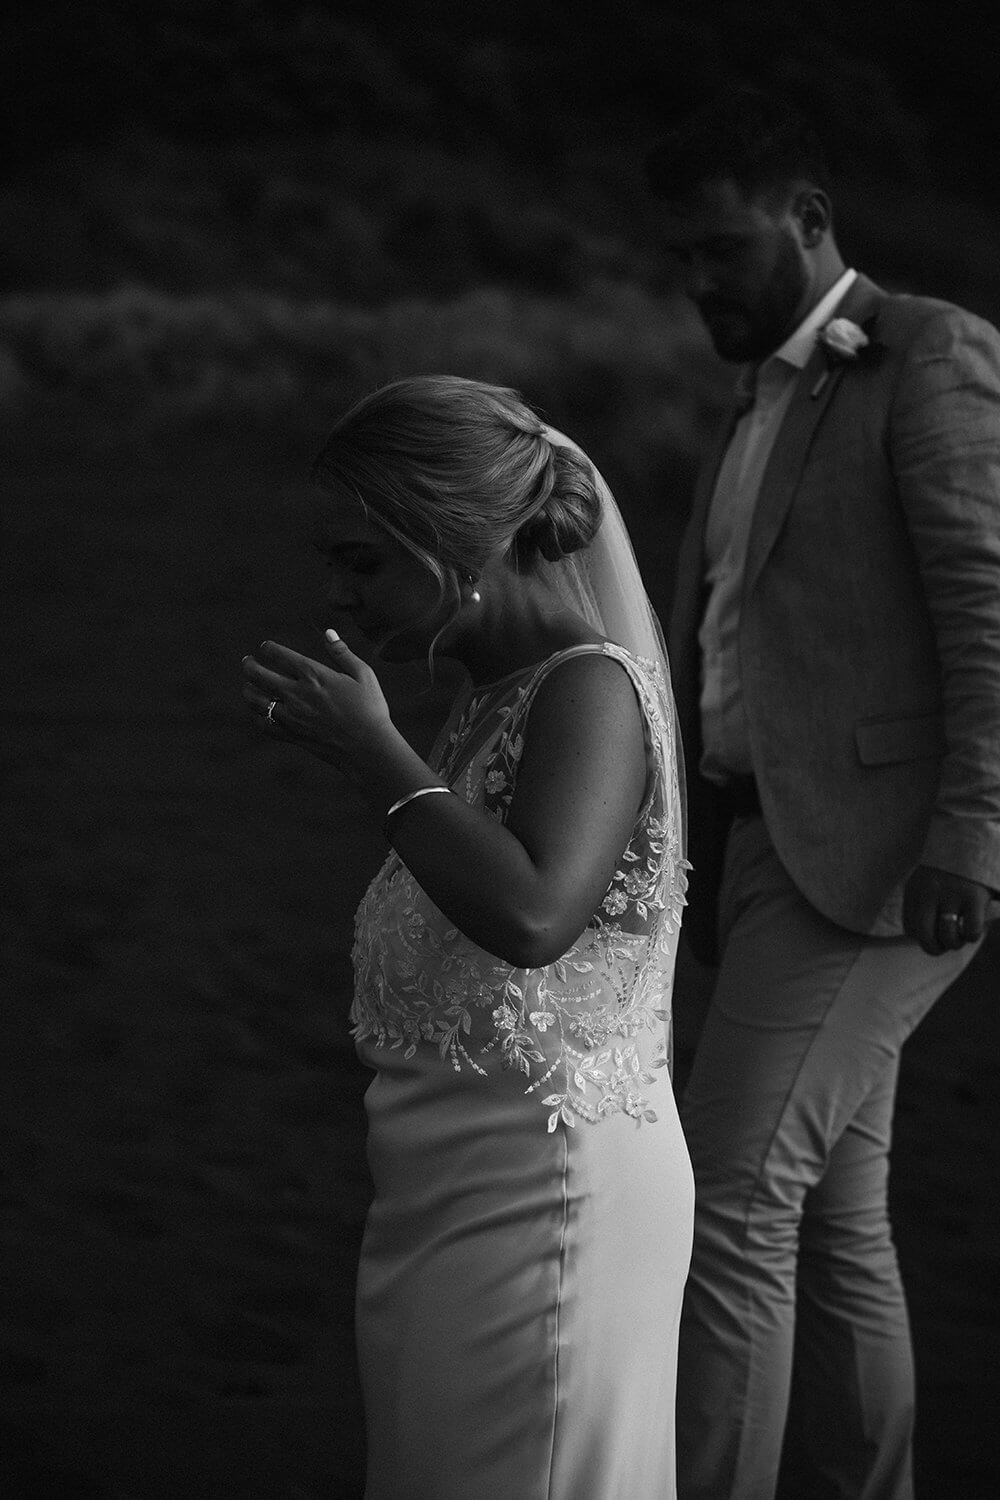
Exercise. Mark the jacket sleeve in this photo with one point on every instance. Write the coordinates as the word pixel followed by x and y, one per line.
pixel 944 434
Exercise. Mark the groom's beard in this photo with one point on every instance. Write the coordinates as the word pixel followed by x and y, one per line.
pixel 749 331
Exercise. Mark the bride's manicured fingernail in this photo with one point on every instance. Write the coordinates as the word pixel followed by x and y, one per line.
pixel 332 636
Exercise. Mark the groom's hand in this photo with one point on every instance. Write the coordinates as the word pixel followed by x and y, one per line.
pixel 943 911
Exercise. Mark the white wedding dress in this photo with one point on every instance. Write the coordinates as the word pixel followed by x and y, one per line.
pixel 524 1258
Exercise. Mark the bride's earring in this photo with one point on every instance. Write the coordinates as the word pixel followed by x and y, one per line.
pixel 475 596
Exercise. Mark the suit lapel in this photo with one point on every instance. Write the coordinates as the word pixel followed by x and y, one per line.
pixel 690 578
pixel 808 405
pixel 686 612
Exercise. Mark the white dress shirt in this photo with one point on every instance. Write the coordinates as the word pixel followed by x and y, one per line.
pixel 726 751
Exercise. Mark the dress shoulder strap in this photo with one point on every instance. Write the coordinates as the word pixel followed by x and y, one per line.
pixel 636 670
pixel 546 667
pixel 503 763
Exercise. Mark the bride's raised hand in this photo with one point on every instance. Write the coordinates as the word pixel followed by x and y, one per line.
pixel 337 712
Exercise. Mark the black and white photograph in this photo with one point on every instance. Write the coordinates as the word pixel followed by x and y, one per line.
pixel 501 734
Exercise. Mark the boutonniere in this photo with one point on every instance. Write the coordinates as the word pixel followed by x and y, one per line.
pixel 843 343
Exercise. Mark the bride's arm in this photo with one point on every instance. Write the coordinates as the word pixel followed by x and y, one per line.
pixel 525 890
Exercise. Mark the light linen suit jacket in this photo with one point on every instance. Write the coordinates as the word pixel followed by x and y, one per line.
pixel 869 639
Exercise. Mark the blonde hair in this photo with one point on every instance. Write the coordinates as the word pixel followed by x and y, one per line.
pixel 460 472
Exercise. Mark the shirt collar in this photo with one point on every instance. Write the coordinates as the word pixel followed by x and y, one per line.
pixel 798 347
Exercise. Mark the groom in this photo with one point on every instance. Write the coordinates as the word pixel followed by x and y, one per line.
pixel 836 657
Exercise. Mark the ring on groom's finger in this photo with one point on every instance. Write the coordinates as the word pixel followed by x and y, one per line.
pixel 270 713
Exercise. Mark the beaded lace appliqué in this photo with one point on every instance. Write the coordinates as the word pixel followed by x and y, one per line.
pixel 588 1030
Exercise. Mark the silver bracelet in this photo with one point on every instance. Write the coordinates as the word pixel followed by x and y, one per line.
pixel 423 791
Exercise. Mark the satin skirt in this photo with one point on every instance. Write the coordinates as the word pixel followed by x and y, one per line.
pixel 519 1291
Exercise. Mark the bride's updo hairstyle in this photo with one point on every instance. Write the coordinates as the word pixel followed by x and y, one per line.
pixel 460 473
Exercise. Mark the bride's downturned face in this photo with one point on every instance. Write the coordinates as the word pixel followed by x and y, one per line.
pixel 378 586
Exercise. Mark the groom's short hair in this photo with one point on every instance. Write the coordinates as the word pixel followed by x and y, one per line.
pixel 751 138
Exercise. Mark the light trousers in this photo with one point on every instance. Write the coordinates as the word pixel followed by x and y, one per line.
pixel 788 1119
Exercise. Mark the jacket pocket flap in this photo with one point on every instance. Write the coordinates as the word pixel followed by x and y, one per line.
pixel 884 742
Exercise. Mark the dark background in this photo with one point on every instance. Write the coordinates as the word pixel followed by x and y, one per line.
pixel 218 225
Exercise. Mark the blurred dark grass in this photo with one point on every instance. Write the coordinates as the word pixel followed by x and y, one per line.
pixel 224 224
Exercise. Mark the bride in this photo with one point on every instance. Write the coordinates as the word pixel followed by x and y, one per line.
pixel 524 1258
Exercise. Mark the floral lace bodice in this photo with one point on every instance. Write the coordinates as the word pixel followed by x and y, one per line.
pixel 587 1032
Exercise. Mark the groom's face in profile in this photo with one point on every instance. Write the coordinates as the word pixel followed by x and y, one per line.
pixel 744 265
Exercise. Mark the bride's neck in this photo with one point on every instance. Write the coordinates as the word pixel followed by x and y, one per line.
pixel 517 623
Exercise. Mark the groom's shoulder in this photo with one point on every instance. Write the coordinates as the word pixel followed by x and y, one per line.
pixel 906 317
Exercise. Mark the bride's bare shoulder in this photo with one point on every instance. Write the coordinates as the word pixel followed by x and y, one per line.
pixel 586 694
pixel 583 739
